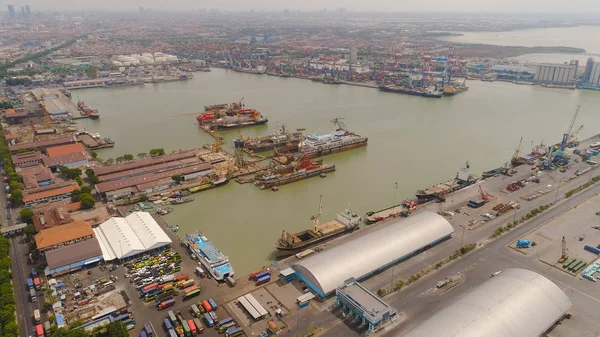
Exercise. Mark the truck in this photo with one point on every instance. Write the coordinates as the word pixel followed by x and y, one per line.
pixel 199 326
pixel 37 283
pixel 213 316
pixel 209 320
pixel 190 289
pixel 172 317
pixel 172 333
pixel 30 283
pixel 187 283
pixel 150 286
pixel 192 327
pixel 200 272
pixel 166 304
pixel 39 330
pixel 232 332
pixel 231 281
pixel 195 310
pixel 523 243
pixel 149 329
pixel 213 304
pixel 32 297
pixel 167 279
pixel 263 280
pixel 261 274
pixel 207 306
pixel 34 273
pixel 168 324
pixel 182 277
pixel 225 321
pixel 36 316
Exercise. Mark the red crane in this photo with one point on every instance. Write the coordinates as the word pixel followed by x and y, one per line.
pixel 484 196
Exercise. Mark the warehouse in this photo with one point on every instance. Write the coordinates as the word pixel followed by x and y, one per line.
pixel 372 252
pixel 516 303
pixel 73 257
pixel 134 235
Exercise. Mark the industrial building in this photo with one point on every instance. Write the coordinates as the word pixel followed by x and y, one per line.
pixel 148 162
pixel 556 73
pixel 64 235
pixel 73 257
pixel 255 309
pixel 129 237
pixel 367 254
pixel 42 144
pixel 591 75
pixel 360 303
pixel 47 193
pixel 515 303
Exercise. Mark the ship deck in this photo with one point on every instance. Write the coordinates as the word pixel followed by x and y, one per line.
pixel 207 249
pixel 439 188
pixel 329 227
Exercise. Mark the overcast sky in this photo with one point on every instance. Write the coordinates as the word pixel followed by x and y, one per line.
pixel 585 6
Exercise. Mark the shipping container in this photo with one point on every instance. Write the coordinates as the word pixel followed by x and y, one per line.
pixel 39 330
pixel 192 326
pixel 150 286
pixel 207 306
pixel 263 280
pixel 172 318
pixel 182 277
pixel 231 281
pixel 225 321
pixel 209 320
pixel 593 250
pixel 261 275
pixel 168 324
pixel 199 326
pixel 190 289
pixel 187 283
pixel 166 304
pixel 30 283
pixel 213 304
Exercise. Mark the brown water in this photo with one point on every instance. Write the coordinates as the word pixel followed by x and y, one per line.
pixel 413 141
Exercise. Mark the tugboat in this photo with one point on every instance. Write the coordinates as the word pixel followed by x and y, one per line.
pixel 464 178
pixel 345 223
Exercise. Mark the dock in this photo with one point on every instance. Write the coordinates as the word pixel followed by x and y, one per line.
pixel 94 143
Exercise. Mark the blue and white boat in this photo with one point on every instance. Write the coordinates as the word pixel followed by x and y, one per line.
pixel 209 256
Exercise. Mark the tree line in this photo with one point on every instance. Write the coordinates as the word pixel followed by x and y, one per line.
pixel 129 157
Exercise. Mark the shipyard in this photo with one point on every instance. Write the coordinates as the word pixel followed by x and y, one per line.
pixel 298 174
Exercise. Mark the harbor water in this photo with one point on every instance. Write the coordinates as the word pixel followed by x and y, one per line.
pixel 413 141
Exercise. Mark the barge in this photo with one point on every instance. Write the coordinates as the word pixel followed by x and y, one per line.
pixel 289 244
pixel 278 139
pixel 286 174
pixel 464 178
pixel 208 185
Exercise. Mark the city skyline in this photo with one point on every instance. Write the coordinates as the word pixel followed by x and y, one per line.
pixel 466 6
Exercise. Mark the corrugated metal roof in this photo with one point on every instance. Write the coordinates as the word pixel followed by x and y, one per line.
pixel 516 303
pixel 367 253
pixel 74 253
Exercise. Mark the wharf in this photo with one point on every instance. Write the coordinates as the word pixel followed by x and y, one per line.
pixel 92 143
pixel 288 179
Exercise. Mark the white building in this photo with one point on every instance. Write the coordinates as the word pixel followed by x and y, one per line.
pixel 126 238
pixel 556 73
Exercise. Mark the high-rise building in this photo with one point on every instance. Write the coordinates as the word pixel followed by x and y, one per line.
pixel 27 11
pixel 353 55
pixel 142 10
pixel 556 73
pixel 22 10
pixel 11 11
pixel 594 74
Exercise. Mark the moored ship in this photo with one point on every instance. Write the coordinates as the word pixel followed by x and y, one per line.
pixel 289 244
pixel 229 116
pixel 464 178
pixel 286 174
pixel 430 92
pixel 266 143
pixel 87 111
pixel 209 256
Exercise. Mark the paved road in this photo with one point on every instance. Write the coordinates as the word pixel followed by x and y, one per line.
pixel 416 304
pixel 21 272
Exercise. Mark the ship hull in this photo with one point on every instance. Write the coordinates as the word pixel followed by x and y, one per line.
pixel 411 92
pixel 236 125
pixel 293 178
pixel 432 196
pixel 283 251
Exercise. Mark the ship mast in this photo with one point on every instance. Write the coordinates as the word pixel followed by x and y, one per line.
pixel 317 217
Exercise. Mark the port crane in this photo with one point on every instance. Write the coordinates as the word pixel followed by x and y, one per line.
pixel 564 251
pixel 317 218
pixel 338 122
pixel 483 195
pixel 547 164
pixel 516 157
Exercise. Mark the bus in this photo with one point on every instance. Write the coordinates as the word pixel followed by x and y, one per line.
pixel 231 332
pixel 209 320
pixel 225 321
pixel 191 294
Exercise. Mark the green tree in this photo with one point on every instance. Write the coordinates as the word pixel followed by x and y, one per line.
pixel 128 157
pixel 26 215
pixel 94 154
pixel 16 197
pixel 117 329
pixel 10 329
pixel 109 161
pixel 157 152
pixel 178 178
pixel 86 189
pixel 22 150
pixel 143 198
pixel 120 160
pixel 79 181
pixel 87 201
pixel 142 155
pixel 69 173
pixel 76 196
pixel 15 185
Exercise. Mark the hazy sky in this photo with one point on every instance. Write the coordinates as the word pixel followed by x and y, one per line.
pixel 585 6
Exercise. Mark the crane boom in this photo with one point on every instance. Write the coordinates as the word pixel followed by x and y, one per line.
pixel 565 139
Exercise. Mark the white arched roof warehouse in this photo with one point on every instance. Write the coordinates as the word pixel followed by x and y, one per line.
pixel 516 303
pixel 367 253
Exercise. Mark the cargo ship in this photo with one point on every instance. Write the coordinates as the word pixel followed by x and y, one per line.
pixel 276 140
pixel 209 120
pixel 293 172
pixel 464 178
pixel 256 71
pixel 121 83
pixel 404 209
pixel 453 91
pixel 345 223
pixel 209 256
pixel 429 92
pixel 492 173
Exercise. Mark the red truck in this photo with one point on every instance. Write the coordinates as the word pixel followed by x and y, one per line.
pixel 166 304
pixel 37 284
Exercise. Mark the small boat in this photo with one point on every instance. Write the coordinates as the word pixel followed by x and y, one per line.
pixel 174 229
pixel 181 201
